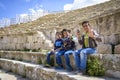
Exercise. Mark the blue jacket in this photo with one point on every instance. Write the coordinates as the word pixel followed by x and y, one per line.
pixel 58 44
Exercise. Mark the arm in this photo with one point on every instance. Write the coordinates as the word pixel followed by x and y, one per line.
pixel 94 35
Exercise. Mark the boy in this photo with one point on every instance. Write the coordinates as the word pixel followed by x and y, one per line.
pixel 88 42
pixel 57 47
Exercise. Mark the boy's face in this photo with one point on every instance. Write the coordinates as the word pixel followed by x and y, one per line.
pixel 65 33
pixel 86 27
pixel 58 36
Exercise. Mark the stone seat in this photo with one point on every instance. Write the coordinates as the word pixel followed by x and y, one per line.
pixel 38 72
pixel 110 62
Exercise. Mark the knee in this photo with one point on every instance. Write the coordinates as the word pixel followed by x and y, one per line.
pixel 75 53
pixel 66 54
pixel 83 52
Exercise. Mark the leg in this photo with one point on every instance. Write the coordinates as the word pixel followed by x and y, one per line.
pixel 76 55
pixel 58 57
pixel 83 57
pixel 48 57
pixel 66 55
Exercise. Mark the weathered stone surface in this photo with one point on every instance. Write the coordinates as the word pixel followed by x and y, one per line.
pixel 115 74
pixel 21 42
pixel 33 57
pixel 111 63
pixel 117 49
pixel 114 39
pixel 10 76
pixel 104 49
pixel 37 72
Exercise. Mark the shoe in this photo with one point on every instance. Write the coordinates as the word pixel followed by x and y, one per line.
pixel 78 72
pixel 83 72
pixel 59 67
pixel 47 65
pixel 69 69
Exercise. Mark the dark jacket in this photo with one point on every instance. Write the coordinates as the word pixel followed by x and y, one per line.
pixel 70 44
pixel 92 42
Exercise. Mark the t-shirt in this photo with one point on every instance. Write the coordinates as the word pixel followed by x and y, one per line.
pixel 86 40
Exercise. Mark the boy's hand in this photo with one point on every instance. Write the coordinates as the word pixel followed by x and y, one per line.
pixel 78 35
pixel 90 34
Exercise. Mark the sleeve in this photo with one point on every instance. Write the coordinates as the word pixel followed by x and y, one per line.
pixel 80 40
pixel 97 37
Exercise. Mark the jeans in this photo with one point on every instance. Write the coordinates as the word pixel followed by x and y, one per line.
pixel 58 56
pixel 48 57
pixel 67 59
pixel 80 57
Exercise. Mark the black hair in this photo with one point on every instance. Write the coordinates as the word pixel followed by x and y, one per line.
pixel 78 31
pixel 69 31
pixel 85 22
pixel 63 31
pixel 58 33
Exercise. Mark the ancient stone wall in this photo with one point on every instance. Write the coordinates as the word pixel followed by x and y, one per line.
pixel 25 42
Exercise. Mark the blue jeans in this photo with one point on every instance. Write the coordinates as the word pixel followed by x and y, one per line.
pixel 81 57
pixel 48 57
pixel 58 56
pixel 67 59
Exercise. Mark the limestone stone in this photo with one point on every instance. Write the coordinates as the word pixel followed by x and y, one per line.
pixel 28 45
pixel 106 39
pixel 117 49
pixel 104 49
pixel 113 73
pixel 29 39
pixel 38 72
pixel 15 40
pixel 114 39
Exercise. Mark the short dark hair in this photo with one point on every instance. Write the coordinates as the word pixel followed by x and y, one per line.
pixel 85 22
pixel 69 31
pixel 58 33
pixel 64 30
pixel 78 31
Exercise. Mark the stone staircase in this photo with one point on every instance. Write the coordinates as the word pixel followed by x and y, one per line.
pixel 26 65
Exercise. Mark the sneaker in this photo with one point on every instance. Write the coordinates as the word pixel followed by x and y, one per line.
pixel 59 67
pixel 69 69
pixel 47 65
pixel 83 72
pixel 78 72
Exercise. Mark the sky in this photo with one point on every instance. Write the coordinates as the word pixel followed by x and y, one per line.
pixel 9 8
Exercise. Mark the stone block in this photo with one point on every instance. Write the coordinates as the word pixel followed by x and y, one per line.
pixel 106 40
pixel 15 40
pixel 27 45
pixel 114 39
pixel 117 49
pixel 104 49
pixel 29 39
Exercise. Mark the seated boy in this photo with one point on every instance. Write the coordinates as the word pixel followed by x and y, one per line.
pixel 57 48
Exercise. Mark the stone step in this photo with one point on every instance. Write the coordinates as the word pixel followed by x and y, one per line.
pixel 38 72
pixel 110 61
pixel 4 75
pixel 33 57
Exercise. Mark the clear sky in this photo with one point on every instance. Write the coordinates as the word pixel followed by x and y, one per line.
pixel 9 8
